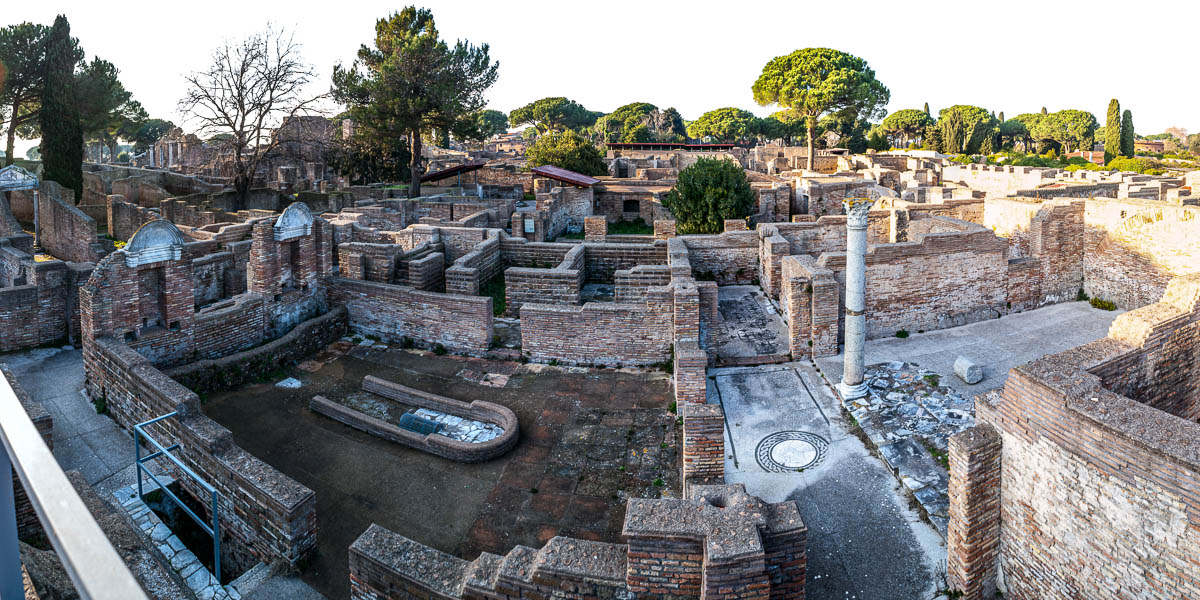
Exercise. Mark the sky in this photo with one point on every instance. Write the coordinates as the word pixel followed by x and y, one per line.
pixel 1015 56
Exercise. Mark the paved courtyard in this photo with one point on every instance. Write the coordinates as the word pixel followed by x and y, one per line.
pixel 786 438
pixel 750 327
pixel 996 344
pixel 589 440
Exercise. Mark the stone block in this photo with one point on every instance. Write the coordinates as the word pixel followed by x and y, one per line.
pixel 967 370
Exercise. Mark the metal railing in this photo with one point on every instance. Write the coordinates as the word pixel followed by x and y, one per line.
pixel 86 554
pixel 213 529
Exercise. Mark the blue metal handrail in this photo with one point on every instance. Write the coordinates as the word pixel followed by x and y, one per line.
pixel 213 530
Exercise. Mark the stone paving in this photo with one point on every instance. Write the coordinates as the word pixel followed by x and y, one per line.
pixel 458 428
pixel 905 400
pixel 750 330
pixel 198 578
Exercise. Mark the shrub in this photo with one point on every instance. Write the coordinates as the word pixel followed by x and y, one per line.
pixel 903 333
pixel 439 350
pixel 708 192
pixel 1103 304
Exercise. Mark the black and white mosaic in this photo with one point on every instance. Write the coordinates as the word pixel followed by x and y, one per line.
pixel 790 451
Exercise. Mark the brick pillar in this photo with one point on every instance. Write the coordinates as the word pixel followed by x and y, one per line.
pixel 785 546
pixel 595 229
pixel 690 363
pixel 664 229
pixel 799 293
pixel 973 537
pixel 703 444
pixel 262 275
pixel 686 311
pixel 824 314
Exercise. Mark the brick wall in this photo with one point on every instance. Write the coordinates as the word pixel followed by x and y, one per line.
pixel 943 280
pixel 37 299
pixel 474 269
pixel 393 312
pixel 703 442
pixel 124 217
pixel 600 332
pixel 633 285
pixel 731 257
pixel 1133 248
pixel 560 285
pixel 604 260
pixel 28 524
pixel 1089 478
pixel 809 303
pixel 269 514
pixel 64 231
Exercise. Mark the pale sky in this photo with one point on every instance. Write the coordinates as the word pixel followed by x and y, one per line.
pixel 1014 56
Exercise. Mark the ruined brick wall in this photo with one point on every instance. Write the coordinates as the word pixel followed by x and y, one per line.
pixel 633 285
pixel 474 269
pixel 64 231
pixel 518 252
pixel 269 514
pixel 36 299
pixel 600 332
pixel 809 305
pixel 560 285
pixel 393 312
pixel 1134 247
pixel 731 258
pixel 502 176
pixel 703 441
pixel 372 262
pixel 1070 450
pixel 997 181
pixel 604 260
pixel 124 217
pixel 943 280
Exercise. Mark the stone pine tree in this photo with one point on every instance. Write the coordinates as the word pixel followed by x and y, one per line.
pixel 1112 131
pixel 1127 134
pixel 821 81
pixel 62 134
pixel 412 83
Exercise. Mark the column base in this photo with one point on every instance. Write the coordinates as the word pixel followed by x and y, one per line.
pixel 851 392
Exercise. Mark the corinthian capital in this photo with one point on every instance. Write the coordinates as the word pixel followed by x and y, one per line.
pixel 856 211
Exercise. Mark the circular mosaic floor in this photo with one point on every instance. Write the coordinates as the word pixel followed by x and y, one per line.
pixel 788 451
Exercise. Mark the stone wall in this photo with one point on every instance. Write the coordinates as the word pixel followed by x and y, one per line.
pixel 1087 477
pixel 394 312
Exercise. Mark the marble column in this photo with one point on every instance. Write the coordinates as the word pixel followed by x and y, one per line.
pixel 852 384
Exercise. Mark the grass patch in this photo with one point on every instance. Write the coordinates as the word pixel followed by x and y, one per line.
pixel 932 380
pixel 578 235
pixel 1102 304
pixel 634 227
pixel 941 456
pixel 494 289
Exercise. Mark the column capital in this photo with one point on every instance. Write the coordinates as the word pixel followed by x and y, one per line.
pixel 856 211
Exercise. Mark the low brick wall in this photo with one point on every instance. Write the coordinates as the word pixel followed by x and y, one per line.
pixel 600 332
pixel 204 376
pixel 435 444
pixel 394 312
pixel 65 231
pixel 560 285
pixel 721 544
pixel 269 514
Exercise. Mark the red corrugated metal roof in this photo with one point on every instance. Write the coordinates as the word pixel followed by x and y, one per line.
pixel 452 171
pixel 565 176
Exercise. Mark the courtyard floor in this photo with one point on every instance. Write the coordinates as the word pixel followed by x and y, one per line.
pixel 996 344
pixel 786 439
pixel 750 330
pixel 589 440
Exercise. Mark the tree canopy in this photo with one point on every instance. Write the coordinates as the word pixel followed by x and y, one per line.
pixel 821 81
pixel 1070 128
pixel 413 83
pixel 491 122
pixel 1112 131
pixel 1127 134
pixel 23 54
pixel 555 113
pixel 640 122
pixel 568 150
pixel 725 124
pixel 706 193
pixel 62 134
pixel 907 124
pixel 965 128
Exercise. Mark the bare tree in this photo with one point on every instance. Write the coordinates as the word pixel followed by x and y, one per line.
pixel 252 87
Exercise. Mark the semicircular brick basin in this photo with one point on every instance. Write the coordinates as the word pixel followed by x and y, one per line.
pixel 433 443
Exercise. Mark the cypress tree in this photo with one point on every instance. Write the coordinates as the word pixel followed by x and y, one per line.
pixel 1001 117
pixel 927 109
pixel 1112 131
pixel 1127 134
pixel 1044 110
pixel 62 134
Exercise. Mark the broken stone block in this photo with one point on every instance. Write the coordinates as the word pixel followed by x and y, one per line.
pixel 967 370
